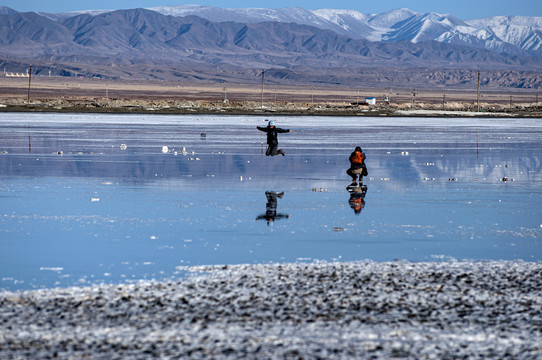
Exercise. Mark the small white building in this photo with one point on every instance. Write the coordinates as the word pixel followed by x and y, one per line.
pixel 370 100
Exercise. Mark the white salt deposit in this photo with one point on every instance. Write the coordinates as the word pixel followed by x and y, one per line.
pixel 318 310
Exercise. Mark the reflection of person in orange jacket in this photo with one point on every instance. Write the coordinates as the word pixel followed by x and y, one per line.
pixel 357 165
pixel 271 208
pixel 357 198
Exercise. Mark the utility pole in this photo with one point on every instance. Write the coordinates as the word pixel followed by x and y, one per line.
pixel 263 74
pixel 29 81
pixel 387 95
pixel 478 92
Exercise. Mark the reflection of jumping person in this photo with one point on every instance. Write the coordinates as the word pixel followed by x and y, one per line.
pixel 272 141
pixel 357 165
pixel 271 208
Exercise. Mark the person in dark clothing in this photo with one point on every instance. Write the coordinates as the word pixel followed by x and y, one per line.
pixel 271 208
pixel 272 141
pixel 357 165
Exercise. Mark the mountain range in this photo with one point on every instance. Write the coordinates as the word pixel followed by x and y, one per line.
pixel 208 43
pixel 511 34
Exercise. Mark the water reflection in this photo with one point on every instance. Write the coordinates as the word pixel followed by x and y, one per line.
pixel 87 200
pixel 357 197
pixel 271 208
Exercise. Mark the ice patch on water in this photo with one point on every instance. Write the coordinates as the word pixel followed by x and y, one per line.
pixel 444 258
pixel 45 268
pixel 523 233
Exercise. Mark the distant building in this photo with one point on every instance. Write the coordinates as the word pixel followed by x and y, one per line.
pixel 370 100
pixel 11 74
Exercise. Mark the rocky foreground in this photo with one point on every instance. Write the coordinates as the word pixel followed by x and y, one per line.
pixel 310 311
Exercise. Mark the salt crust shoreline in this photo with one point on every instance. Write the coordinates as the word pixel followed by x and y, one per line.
pixel 434 310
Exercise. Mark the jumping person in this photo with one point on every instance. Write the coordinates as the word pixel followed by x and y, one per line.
pixel 272 141
pixel 357 165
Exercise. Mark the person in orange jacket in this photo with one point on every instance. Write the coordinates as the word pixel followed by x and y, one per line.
pixel 357 165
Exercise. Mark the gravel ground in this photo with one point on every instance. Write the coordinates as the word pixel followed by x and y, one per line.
pixel 332 108
pixel 439 310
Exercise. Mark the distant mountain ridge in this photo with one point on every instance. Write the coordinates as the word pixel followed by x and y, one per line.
pixel 292 40
pixel 510 34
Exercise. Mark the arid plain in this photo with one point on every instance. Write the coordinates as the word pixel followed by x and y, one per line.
pixel 72 94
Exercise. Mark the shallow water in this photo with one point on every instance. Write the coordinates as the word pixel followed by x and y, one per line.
pixel 79 207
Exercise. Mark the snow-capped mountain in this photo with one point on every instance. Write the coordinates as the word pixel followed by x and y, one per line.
pixel 517 35
pixel 389 18
pixel 522 31
pixel 317 18
pixel 511 34
pixel 423 27
pixel 350 22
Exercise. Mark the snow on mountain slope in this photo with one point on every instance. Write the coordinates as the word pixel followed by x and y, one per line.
pixel 524 32
pixel 526 38
pixel 423 27
pixel 389 18
pixel 353 22
pixel 244 15
pixel 345 22
pixel 528 21
pixel 336 15
pixel 511 34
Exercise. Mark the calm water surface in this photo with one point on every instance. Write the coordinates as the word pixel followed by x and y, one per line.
pixel 96 198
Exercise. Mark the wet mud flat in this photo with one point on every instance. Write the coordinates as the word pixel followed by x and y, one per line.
pixel 430 310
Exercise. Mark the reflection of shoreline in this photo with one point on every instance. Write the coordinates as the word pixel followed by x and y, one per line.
pixel 484 168
pixel 387 170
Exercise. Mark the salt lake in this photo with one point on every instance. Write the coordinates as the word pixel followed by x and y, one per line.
pixel 88 198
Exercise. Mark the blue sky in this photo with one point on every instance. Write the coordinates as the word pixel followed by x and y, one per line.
pixel 463 9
